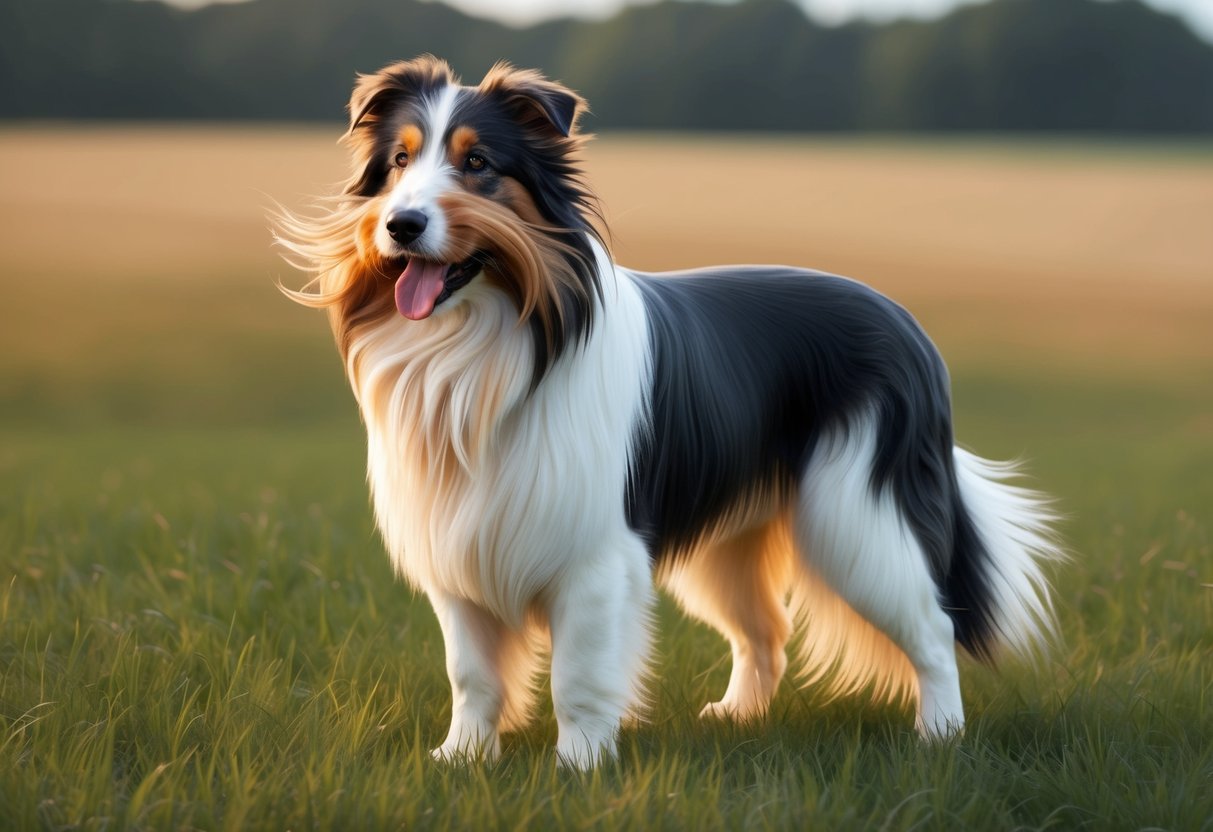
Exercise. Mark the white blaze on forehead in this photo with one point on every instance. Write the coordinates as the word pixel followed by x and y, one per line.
pixel 437 112
pixel 426 178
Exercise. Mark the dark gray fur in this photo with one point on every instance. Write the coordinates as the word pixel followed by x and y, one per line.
pixel 752 365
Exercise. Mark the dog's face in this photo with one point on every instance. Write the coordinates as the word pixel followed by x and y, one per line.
pixel 457 181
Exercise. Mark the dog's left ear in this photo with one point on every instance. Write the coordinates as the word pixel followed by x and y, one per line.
pixel 537 102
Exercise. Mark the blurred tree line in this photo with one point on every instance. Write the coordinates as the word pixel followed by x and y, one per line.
pixel 756 64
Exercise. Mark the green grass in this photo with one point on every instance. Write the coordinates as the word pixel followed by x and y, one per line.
pixel 199 627
pixel 201 630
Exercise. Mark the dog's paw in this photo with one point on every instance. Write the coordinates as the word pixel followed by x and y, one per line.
pixel 939 730
pixel 582 753
pixel 729 711
pixel 462 753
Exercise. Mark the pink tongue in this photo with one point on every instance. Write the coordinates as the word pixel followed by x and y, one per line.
pixel 419 286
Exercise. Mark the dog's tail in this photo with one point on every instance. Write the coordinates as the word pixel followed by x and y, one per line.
pixel 995 589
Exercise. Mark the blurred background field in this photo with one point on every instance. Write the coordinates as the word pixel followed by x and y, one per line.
pixel 140 275
pixel 198 625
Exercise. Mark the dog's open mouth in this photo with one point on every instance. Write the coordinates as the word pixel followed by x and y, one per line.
pixel 424 284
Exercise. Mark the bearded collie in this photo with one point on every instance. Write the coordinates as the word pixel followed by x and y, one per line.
pixel 550 435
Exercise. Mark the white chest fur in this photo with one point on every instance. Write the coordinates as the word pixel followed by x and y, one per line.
pixel 482 488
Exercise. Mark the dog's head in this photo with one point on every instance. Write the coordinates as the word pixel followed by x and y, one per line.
pixel 455 183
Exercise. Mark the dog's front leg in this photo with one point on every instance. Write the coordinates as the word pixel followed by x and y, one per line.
pixel 473 643
pixel 599 619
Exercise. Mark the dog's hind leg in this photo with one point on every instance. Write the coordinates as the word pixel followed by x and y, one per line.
pixel 739 586
pixel 519 661
pixel 859 544
pixel 599 618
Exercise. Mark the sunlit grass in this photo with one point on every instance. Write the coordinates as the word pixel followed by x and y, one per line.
pixel 200 629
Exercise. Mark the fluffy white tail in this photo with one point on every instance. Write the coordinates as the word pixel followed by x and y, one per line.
pixel 1015 539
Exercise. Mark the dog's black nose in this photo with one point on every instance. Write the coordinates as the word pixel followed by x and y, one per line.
pixel 406 226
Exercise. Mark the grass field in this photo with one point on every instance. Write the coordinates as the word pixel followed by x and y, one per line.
pixel 199 628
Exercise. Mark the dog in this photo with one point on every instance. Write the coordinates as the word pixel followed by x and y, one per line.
pixel 552 435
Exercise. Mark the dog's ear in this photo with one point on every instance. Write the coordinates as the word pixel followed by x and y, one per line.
pixel 535 101
pixel 368 100
pixel 377 94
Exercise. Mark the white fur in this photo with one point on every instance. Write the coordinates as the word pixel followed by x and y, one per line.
pixel 1015 524
pixel 502 505
pixel 860 546
pixel 424 180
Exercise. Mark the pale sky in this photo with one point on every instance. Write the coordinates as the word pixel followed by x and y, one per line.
pixel 1198 13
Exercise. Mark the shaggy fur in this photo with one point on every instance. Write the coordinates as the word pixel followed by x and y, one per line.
pixel 549 434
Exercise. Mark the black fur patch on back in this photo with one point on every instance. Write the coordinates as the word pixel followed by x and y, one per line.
pixel 751 365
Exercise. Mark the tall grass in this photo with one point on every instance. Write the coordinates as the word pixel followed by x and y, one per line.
pixel 199 628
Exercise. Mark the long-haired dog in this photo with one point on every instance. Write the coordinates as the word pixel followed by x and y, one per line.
pixel 551 434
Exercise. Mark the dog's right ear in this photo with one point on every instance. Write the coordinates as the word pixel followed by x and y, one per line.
pixel 379 93
pixel 368 99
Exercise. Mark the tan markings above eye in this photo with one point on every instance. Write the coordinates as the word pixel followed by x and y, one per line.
pixel 463 139
pixel 410 140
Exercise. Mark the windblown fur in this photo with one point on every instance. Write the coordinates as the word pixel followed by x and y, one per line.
pixel 549 433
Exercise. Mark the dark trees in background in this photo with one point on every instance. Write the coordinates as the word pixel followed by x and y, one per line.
pixel 758 64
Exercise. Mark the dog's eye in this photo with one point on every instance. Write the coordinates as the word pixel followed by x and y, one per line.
pixel 476 163
pixel 401 160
